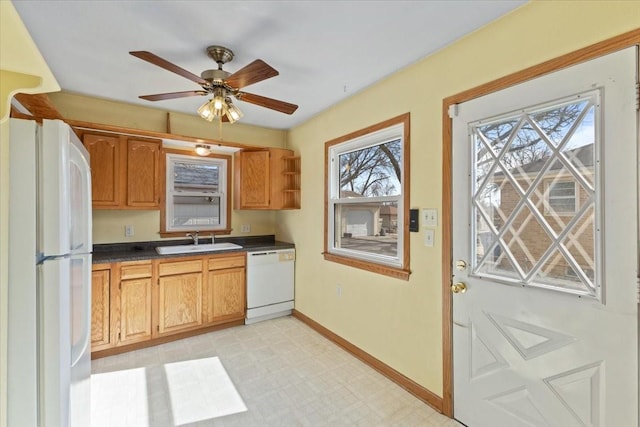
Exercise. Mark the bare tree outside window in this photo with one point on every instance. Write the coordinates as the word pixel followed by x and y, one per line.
pixel 373 171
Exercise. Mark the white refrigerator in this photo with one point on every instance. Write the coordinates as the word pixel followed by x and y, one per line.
pixel 49 324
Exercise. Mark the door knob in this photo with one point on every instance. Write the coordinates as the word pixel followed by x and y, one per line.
pixel 459 288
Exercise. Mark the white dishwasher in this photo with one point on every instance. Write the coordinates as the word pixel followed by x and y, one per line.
pixel 270 283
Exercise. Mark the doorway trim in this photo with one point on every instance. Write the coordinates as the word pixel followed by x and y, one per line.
pixel 622 41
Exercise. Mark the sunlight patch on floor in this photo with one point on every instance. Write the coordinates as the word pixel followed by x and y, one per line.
pixel 119 398
pixel 200 389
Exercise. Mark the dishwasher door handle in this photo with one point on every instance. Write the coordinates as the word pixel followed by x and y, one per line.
pixel 261 253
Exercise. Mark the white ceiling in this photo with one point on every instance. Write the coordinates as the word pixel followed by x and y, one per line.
pixel 325 51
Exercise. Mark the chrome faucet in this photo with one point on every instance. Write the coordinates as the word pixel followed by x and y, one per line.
pixel 194 237
pixel 213 238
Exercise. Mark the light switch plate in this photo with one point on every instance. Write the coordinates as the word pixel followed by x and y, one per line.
pixel 128 230
pixel 429 236
pixel 429 217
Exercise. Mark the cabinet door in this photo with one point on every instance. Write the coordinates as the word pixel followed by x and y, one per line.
pixel 143 183
pixel 135 310
pixel 180 302
pixel 224 295
pixel 100 305
pixel 253 181
pixel 104 152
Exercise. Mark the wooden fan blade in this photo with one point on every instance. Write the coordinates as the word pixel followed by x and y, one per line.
pixel 263 101
pixel 173 95
pixel 255 72
pixel 163 63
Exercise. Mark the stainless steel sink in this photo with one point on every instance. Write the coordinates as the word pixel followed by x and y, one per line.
pixel 181 249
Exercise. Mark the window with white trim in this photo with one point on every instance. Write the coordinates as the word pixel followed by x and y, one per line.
pixel 195 193
pixel 367 212
pixel 561 197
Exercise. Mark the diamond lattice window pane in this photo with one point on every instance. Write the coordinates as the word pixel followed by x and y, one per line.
pixel 580 241
pixel 527 239
pixel 498 198
pixel 497 263
pixel 558 273
pixel 574 268
pixel 582 159
pixel 485 241
pixel 559 122
pixel 494 136
pixel 534 194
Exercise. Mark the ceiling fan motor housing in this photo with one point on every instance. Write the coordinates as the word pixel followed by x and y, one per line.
pixel 215 76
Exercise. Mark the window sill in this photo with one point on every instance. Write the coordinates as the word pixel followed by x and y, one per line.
pixel 395 272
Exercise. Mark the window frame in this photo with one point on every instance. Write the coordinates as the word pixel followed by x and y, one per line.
pixel 224 191
pixel 377 134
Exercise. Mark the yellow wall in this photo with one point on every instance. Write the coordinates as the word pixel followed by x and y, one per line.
pixel 108 225
pixel 22 69
pixel 399 322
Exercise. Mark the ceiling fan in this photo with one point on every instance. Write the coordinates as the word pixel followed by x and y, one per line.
pixel 221 84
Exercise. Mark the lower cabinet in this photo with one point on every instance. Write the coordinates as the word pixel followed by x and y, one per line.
pixel 179 296
pixel 138 301
pixel 133 307
pixel 101 337
pixel 224 297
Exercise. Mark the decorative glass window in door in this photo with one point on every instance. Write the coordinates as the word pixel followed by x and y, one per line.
pixel 535 196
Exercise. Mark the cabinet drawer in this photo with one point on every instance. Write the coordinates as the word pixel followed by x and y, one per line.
pixel 135 271
pixel 179 267
pixel 226 262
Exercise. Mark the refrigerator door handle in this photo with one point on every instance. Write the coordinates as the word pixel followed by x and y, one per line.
pixel 83 343
pixel 79 197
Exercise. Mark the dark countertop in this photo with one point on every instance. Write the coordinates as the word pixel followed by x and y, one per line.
pixel 117 252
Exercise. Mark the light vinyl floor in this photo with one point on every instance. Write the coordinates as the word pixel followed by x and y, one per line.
pixel 273 373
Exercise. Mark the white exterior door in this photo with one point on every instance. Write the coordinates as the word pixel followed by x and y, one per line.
pixel 545 240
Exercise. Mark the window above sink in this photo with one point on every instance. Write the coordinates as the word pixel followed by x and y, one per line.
pixel 196 194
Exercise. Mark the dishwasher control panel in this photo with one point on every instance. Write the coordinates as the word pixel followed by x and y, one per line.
pixel 286 256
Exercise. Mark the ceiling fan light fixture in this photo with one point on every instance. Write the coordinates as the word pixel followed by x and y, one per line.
pixel 218 100
pixel 203 150
pixel 233 112
pixel 207 111
pixel 218 103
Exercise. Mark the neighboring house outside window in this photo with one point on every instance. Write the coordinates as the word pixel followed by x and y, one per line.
pixel 367 196
pixel 558 198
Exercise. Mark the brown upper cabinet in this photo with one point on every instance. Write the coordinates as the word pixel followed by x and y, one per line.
pixel 267 179
pixel 125 171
